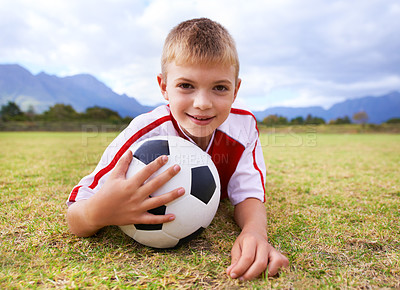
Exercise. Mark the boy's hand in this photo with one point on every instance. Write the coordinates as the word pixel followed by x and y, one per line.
pixel 251 255
pixel 123 201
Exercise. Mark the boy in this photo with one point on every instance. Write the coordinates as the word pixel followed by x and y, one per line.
pixel 200 81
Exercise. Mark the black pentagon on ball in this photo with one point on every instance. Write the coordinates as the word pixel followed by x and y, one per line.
pixel 152 227
pixel 151 149
pixel 203 183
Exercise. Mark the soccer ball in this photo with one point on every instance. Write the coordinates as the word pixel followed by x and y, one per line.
pixel 194 210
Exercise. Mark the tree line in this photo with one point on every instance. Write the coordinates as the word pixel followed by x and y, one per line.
pixel 358 118
pixel 60 112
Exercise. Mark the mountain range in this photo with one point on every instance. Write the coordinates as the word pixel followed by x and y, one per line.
pixel 379 109
pixel 80 91
pixel 83 90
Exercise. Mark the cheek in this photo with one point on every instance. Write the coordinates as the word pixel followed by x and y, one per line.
pixel 225 106
pixel 177 107
pixel 179 101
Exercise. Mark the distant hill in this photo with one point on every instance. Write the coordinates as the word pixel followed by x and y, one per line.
pixel 83 91
pixel 379 109
pixel 80 91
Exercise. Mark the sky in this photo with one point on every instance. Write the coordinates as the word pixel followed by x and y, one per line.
pixel 292 53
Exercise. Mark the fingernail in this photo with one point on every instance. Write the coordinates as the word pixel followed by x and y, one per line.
pixel 171 218
pixel 181 191
pixel 164 158
pixel 234 275
pixel 177 168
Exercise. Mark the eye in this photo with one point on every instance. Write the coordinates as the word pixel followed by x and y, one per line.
pixel 220 88
pixel 185 86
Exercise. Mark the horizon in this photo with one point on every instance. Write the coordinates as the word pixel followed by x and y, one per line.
pixel 161 100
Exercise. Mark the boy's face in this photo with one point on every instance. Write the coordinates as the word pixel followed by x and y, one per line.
pixel 200 97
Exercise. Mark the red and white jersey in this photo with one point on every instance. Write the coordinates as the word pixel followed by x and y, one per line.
pixel 235 149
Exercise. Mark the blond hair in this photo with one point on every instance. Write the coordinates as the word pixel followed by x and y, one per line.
pixel 199 41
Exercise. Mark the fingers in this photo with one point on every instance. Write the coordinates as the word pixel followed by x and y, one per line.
pixel 154 202
pixel 277 261
pixel 245 260
pixel 149 218
pixel 160 180
pixel 163 198
pixel 141 176
pixel 250 266
pixel 123 164
pixel 259 264
pixel 235 255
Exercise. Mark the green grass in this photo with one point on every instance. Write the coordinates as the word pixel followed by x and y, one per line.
pixel 332 204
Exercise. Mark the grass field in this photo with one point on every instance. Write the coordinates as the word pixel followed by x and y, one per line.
pixel 332 204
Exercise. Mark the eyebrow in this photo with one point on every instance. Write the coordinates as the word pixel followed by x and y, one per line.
pixel 183 80
pixel 222 81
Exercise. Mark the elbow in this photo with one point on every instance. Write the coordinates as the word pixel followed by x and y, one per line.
pixel 76 222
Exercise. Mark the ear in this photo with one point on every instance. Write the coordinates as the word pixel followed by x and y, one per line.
pixel 163 86
pixel 239 82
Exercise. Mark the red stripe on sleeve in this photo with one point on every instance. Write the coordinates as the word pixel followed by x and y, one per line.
pixel 241 112
pixel 125 147
pixel 74 193
pixel 258 169
pixel 244 112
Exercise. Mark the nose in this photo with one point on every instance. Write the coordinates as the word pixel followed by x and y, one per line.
pixel 202 101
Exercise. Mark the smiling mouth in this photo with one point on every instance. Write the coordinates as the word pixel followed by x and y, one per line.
pixel 201 118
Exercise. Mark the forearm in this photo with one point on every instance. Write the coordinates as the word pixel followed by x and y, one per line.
pixel 79 221
pixel 250 214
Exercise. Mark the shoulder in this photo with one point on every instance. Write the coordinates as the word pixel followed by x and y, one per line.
pixel 240 125
pixel 241 109
pixel 159 115
pixel 155 122
pixel 156 113
pixel 243 114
